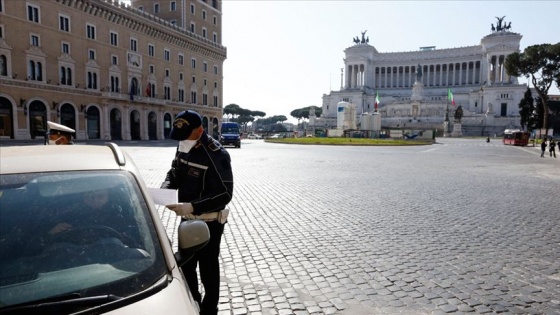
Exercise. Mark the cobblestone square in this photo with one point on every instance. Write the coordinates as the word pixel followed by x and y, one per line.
pixel 461 226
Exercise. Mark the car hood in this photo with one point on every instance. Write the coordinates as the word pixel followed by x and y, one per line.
pixel 174 299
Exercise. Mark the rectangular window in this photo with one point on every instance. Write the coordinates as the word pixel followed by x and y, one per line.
pixel 166 54
pixel 203 14
pixel 181 95
pixel 216 70
pixel 204 32
pixel 65 76
pixel 35 70
pixel 91 54
pixel 167 73
pixel 152 69
pixel 114 39
pixel 64 23
pixel 180 76
pixel 92 80
pixel 33 13
pixel 192 8
pixel 193 63
pixel 205 66
pixel 215 20
pixel 173 6
pixel 156 8
pixel 151 50
pixel 115 83
pixel 192 27
pixel 114 60
pixel 90 31
pixel 133 44
pixel 215 37
pixel 181 59
pixel 35 40
pixel 167 92
pixel 65 48
pixel 193 79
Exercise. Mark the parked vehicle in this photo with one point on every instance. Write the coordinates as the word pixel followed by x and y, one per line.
pixel 79 231
pixel 254 136
pixel 515 137
pixel 230 135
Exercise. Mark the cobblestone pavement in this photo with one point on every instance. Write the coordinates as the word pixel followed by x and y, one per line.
pixel 461 226
pixel 457 227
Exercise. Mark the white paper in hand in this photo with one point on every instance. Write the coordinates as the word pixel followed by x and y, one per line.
pixel 163 196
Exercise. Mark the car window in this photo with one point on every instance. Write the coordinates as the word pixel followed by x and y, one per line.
pixel 88 233
pixel 230 130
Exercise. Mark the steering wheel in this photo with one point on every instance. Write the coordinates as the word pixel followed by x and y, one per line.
pixel 86 234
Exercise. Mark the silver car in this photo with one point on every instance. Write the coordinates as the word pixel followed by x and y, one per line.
pixel 80 232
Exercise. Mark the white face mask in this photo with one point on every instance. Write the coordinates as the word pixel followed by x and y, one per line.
pixel 186 145
pixel 54 142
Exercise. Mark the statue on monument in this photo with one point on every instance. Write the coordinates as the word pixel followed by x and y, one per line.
pixel 363 37
pixel 419 73
pixel 499 25
pixel 458 113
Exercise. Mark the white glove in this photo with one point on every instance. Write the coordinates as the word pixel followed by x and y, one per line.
pixel 181 209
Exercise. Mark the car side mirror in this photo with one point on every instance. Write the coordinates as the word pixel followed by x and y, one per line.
pixel 192 235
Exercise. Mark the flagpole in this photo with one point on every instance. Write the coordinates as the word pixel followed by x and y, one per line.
pixel 447 112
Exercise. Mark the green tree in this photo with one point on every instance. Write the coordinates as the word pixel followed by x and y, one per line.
pixel 542 64
pixel 231 110
pixel 244 117
pixel 303 113
pixel 527 111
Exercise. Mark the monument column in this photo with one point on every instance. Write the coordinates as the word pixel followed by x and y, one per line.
pixel 440 75
pixel 461 73
pixel 496 69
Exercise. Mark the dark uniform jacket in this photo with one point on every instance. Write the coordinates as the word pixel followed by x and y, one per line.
pixel 203 176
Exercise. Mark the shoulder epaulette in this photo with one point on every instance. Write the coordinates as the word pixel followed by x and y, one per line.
pixel 214 145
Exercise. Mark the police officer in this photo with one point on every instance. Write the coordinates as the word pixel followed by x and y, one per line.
pixel 58 134
pixel 202 173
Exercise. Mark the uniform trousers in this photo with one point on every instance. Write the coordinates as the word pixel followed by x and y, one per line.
pixel 207 259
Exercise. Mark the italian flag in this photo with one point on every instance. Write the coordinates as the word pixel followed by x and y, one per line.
pixel 450 97
pixel 376 100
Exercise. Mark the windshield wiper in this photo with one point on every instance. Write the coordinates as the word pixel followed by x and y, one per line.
pixel 61 304
pixel 75 303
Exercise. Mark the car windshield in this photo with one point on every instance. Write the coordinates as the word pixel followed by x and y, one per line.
pixel 230 130
pixel 82 233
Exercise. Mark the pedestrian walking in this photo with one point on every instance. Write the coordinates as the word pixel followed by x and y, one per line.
pixel 552 148
pixel 201 171
pixel 543 147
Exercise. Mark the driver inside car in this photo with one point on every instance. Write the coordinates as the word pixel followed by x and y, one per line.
pixel 94 230
pixel 95 218
pixel 92 211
